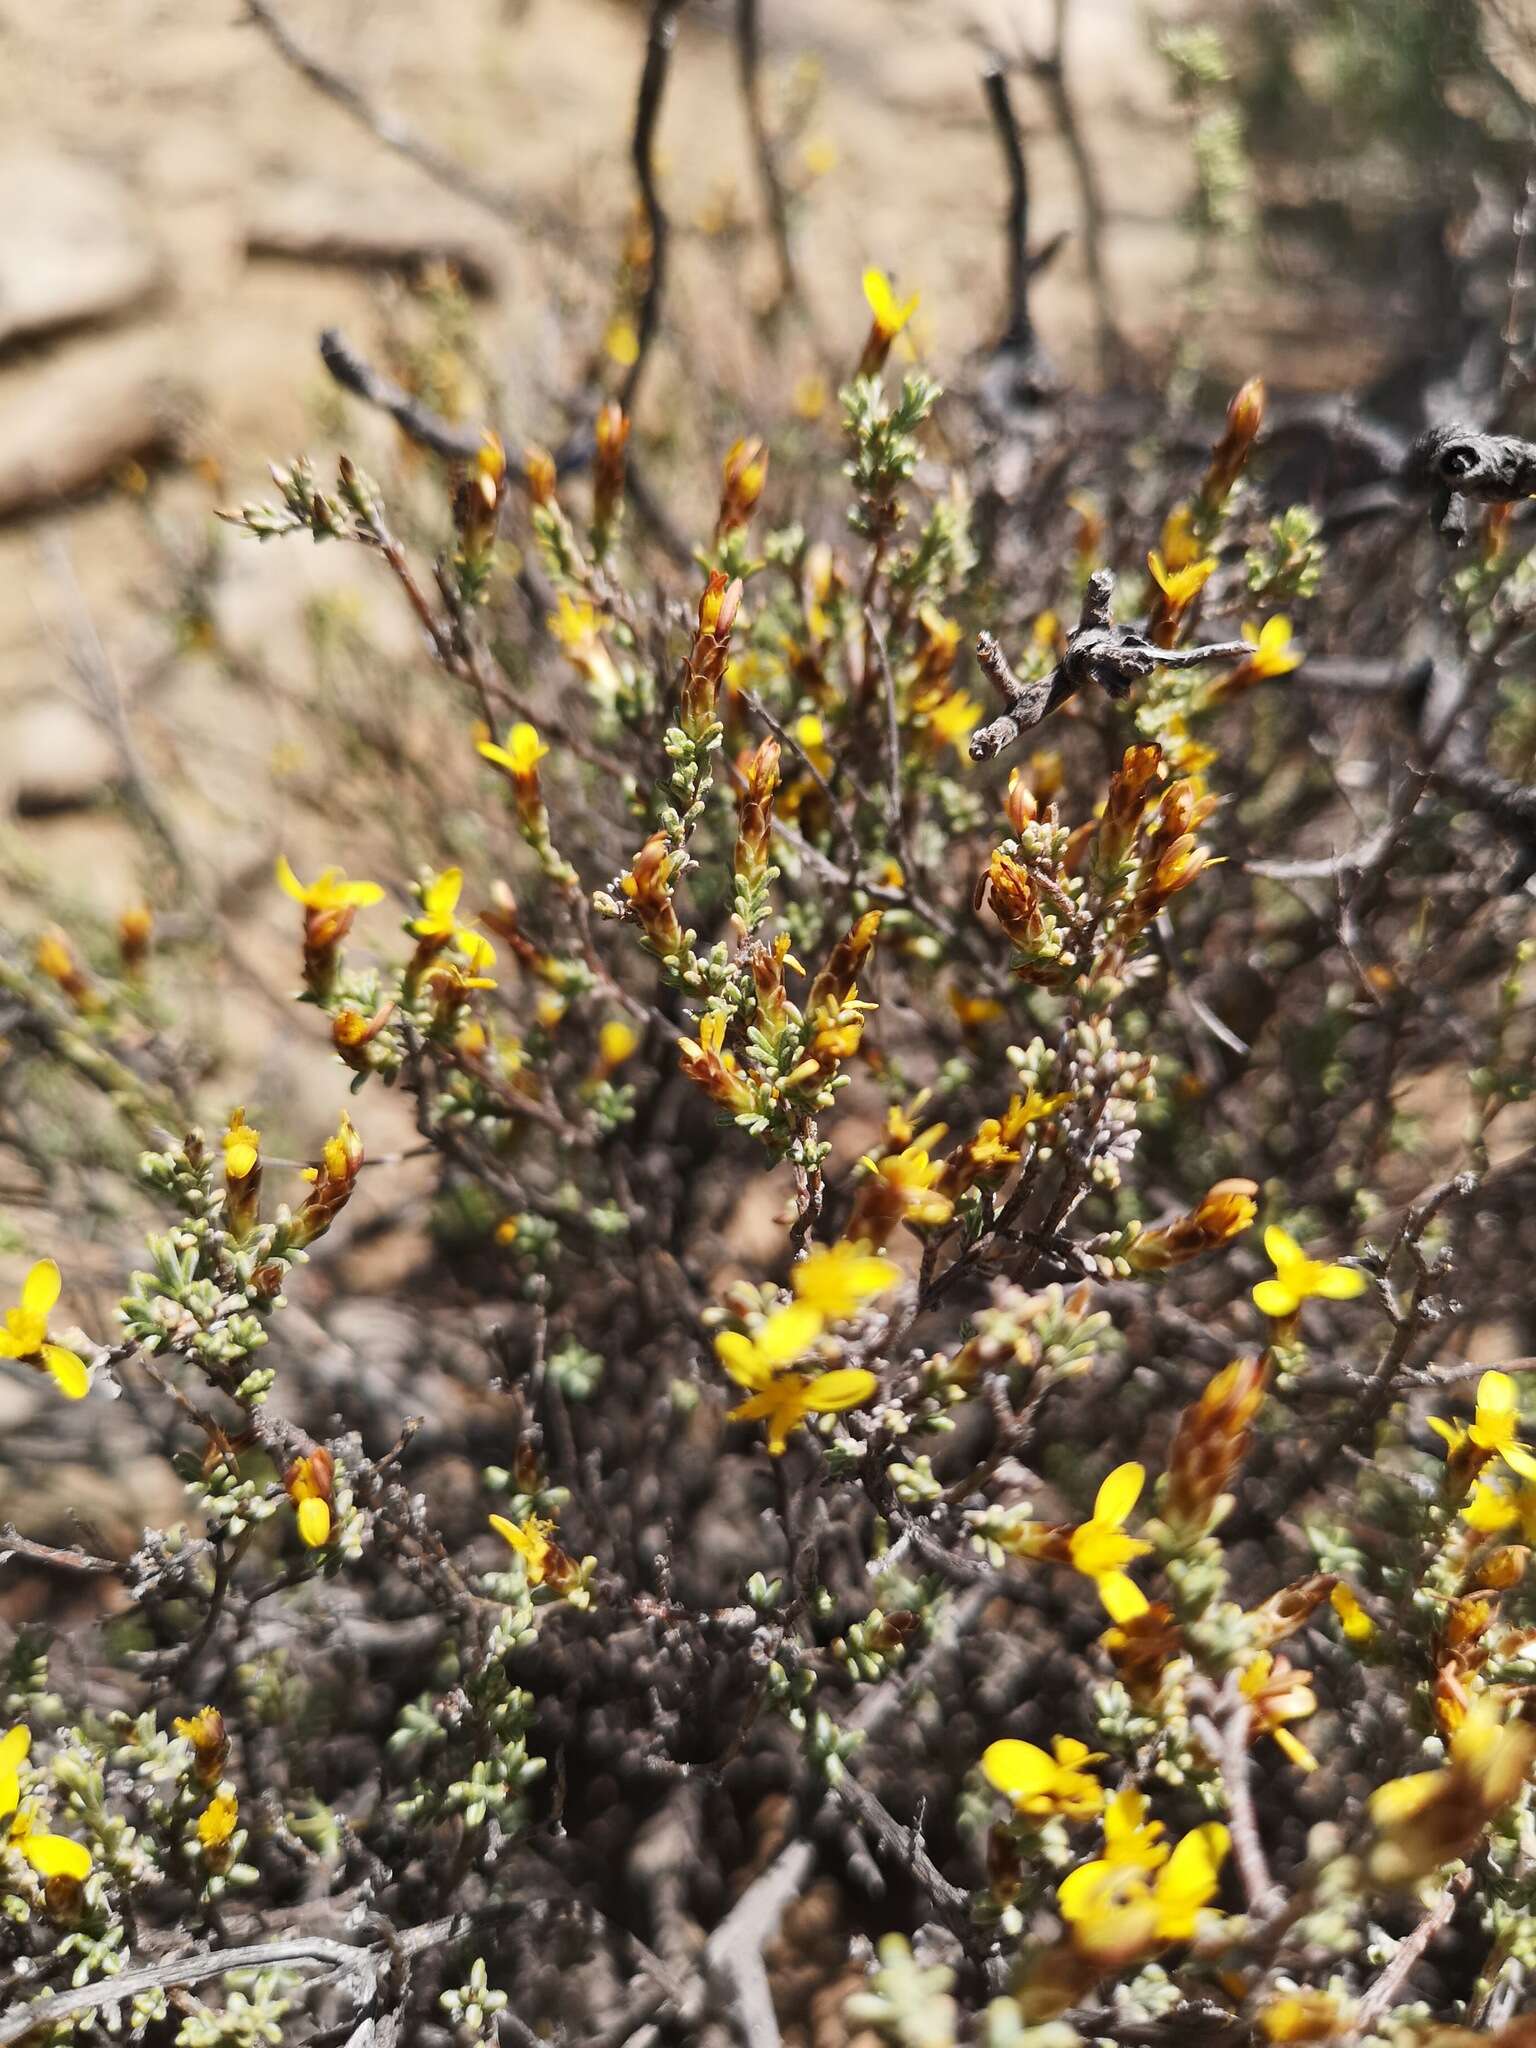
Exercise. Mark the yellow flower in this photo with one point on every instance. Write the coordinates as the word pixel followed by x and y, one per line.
pixel 1302 2016
pixel 788 1398
pixel 1357 1625
pixel 784 1336
pixel 1117 1908
pixel 1100 1549
pixel 25 1335
pixel 1273 654
pixel 49 1855
pixel 1025 1111
pixel 329 891
pixel 811 735
pixel 1179 546
pixel 901 1188
pixel 218 1820
pixel 1277 1693
pixel 522 753
pixel 1492 1432
pixel 572 624
pixel 1130 1839
pixel 809 399
pixel 1181 586
pixel 836 1281
pixel 242 1147
pixel 209 1740
pixel 1041 1782
pixel 530 1540
pixel 819 155
pixel 621 343
pixel 310 1482
pixel 971 1012
pixel 1493 1508
pixel 1424 1820
pixel 616 1042
pixel 439 901
pixel 889 314
pixel 1297 1277
pixel 954 718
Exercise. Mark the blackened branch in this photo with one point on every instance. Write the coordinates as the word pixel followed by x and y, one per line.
pixel 418 422
pixel 1456 464
pixel 653 80
pixel 775 200
pixel 1098 651
pixel 994 83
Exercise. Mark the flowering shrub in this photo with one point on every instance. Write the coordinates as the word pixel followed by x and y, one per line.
pixel 968 1395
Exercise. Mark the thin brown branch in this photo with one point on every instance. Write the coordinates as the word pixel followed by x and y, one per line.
pixel 443 169
pixel 1382 1993
pixel 775 199
pixel 653 81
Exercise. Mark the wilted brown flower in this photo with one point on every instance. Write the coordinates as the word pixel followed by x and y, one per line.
pixel 1210 1444
pixel 1423 1821
pixel 1225 1212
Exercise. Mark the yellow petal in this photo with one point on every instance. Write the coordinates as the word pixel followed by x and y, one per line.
pixel 1080 1890
pixel 738 1354
pixel 753 1410
pixel 40 1289
pixel 1119 1493
pixel 69 1373
pixel 1401 1798
pixel 1123 1598
pixel 1519 1459
pixel 831 1392
pixel 314 1522
pixel 1187 1882
pixel 1019 1770
pixel 1282 1248
pixel 288 881
pixel 442 892
pixel 13 1754
pixel 57 1856
pixel 1274 1298
pixel 1298 1752
pixel 788 1333
pixel 1340 1283
pixel 1496 1395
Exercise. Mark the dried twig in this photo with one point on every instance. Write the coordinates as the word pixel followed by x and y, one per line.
pixel 775 200
pixel 415 420
pixel 13 1544
pixel 1051 73
pixel 1381 1994
pixel 1098 651
pixel 443 169
pixel 653 80
pixel 1019 334
pixel 1223 1730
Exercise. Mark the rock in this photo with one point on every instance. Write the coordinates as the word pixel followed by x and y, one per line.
pixel 57 758
pixel 373 228
pixel 72 246
pixel 68 423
